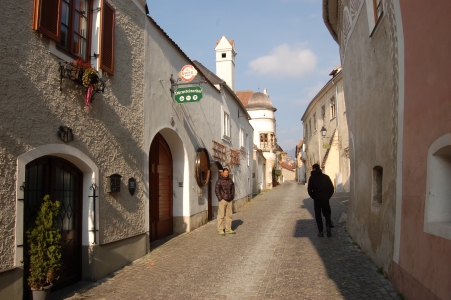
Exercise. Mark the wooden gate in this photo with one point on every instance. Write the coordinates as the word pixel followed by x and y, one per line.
pixel 160 196
pixel 63 182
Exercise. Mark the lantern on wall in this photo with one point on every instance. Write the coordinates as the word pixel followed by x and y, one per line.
pixel 113 184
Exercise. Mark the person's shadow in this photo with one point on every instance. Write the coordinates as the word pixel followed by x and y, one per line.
pixel 236 224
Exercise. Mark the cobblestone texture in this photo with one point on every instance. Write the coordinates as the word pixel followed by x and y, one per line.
pixel 275 254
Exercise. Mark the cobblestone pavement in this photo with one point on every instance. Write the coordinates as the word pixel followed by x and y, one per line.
pixel 275 254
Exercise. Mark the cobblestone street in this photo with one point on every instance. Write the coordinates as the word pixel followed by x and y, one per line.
pixel 275 254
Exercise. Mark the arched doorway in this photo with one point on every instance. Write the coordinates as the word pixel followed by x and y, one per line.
pixel 160 189
pixel 61 180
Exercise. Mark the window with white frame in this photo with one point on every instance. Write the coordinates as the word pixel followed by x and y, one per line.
pixel 333 113
pixel 242 139
pixel 265 141
pixel 226 125
pixel 68 24
pixel 310 127
pixel 248 148
pixel 314 122
pixel 437 212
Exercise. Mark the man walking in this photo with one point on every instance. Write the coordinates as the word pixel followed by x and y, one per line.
pixel 320 189
pixel 225 191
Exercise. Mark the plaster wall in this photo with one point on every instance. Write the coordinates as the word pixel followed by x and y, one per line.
pixel 371 103
pixel 195 125
pixel 262 121
pixel 33 108
pixel 258 180
pixel 336 140
pixel 424 267
pixel 288 174
pixel 102 260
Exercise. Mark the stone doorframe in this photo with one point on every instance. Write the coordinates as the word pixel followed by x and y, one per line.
pixel 90 175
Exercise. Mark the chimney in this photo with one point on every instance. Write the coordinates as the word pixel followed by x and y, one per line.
pixel 225 61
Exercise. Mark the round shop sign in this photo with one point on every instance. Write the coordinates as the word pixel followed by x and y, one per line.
pixel 188 73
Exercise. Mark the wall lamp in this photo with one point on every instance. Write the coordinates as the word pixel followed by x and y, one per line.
pixel 323 131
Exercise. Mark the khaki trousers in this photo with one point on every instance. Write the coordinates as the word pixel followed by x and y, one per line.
pixel 225 211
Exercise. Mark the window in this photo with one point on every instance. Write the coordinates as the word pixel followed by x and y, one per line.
pixel 377 186
pixel 437 209
pixel 323 113
pixel 264 143
pixel 310 127
pixel 332 108
pixel 374 11
pixel 226 126
pixel 344 102
pixel 314 122
pixel 248 149
pixel 223 55
pixel 242 141
pixel 377 7
pixel 74 27
pixel 70 24
pixel 305 132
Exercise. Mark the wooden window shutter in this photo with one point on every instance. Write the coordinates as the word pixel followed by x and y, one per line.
pixel 47 18
pixel 107 38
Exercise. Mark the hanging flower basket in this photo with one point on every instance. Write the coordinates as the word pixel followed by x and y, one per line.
pixel 82 72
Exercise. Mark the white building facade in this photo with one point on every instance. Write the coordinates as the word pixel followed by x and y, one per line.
pixel 163 155
pixel 261 111
pixel 326 138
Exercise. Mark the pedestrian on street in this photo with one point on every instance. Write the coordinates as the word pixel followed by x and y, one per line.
pixel 225 191
pixel 321 189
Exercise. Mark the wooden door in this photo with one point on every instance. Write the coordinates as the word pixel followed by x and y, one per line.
pixel 63 182
pixel 160 196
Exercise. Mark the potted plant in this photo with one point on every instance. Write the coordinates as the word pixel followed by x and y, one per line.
pixel 45 249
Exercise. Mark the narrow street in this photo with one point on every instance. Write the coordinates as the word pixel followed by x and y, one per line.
pixel 275 254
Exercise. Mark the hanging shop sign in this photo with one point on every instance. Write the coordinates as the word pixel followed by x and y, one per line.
pixel 188 94
pixel 188 73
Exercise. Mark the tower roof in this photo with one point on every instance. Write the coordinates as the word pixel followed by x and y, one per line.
pixel 260 100
pixel 244 96
pixel 225 44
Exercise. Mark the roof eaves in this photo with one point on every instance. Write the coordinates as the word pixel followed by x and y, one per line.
pixel 319 93
pixel 179 49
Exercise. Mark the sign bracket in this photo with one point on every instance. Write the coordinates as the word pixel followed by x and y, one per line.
pixel 175 83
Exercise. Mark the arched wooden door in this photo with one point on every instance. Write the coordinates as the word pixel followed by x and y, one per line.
pixel 160 196
pixel 63 182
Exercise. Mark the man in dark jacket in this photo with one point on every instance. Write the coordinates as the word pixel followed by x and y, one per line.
pixel 225 191
pixel 320 189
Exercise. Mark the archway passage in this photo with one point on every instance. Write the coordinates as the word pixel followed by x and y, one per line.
pixel 160 196
pixel 62 181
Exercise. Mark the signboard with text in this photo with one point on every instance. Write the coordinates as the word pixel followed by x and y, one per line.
pixel 188 73
pixel 188 94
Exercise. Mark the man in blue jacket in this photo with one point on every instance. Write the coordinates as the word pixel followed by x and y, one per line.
pixel 225 191
pixel 320 189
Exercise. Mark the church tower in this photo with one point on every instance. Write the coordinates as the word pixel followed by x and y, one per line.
pixel 225 61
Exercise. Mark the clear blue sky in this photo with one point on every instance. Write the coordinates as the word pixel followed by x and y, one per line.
pixel 282 45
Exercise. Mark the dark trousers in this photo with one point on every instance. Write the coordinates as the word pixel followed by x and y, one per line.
pixel 322 205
